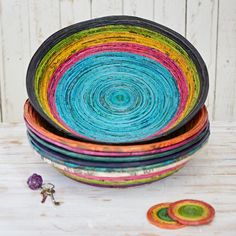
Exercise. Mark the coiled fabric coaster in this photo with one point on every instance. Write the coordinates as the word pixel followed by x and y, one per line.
pixel 117 79
pixel 191 212
pixel 158 216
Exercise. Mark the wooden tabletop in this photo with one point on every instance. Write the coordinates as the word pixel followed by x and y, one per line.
pixel 87 210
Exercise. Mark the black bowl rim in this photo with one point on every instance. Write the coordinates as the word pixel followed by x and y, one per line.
pixel 116 20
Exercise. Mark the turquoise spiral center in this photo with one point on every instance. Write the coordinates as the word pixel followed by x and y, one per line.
pixel 117 97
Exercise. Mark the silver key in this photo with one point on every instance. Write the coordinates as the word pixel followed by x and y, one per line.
pixel 44 194
pixel 48 190
pixel 53 199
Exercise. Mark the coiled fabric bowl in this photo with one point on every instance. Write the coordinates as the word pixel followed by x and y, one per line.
pixel 117 79
pixel 112 165
pixel 43 130
pixel 116 101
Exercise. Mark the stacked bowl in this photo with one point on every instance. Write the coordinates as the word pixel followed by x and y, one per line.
pixel 117 101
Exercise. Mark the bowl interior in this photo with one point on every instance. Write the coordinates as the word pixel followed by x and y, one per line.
pixel 117 80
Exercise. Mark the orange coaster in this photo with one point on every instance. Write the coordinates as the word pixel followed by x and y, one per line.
pixel 191 212
pixel 158 216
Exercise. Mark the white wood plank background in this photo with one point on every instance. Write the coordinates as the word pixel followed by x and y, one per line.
pixel 209 24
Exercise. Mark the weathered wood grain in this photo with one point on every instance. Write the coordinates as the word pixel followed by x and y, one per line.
pixel 1 63
pixel 106 7
pixel 15 56
pixel 225 93
pixel 44 20
pixel 74 11
pixel 86 210
pixel 201 31
pixel 143 9
pixel 171 13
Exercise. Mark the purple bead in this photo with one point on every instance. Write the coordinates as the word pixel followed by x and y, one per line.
pixel 35 182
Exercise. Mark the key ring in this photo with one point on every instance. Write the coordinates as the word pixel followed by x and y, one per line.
pixel 48 186
pixel 35 182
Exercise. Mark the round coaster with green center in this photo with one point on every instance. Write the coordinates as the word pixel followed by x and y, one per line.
pixel 191 212
pixel 158 216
